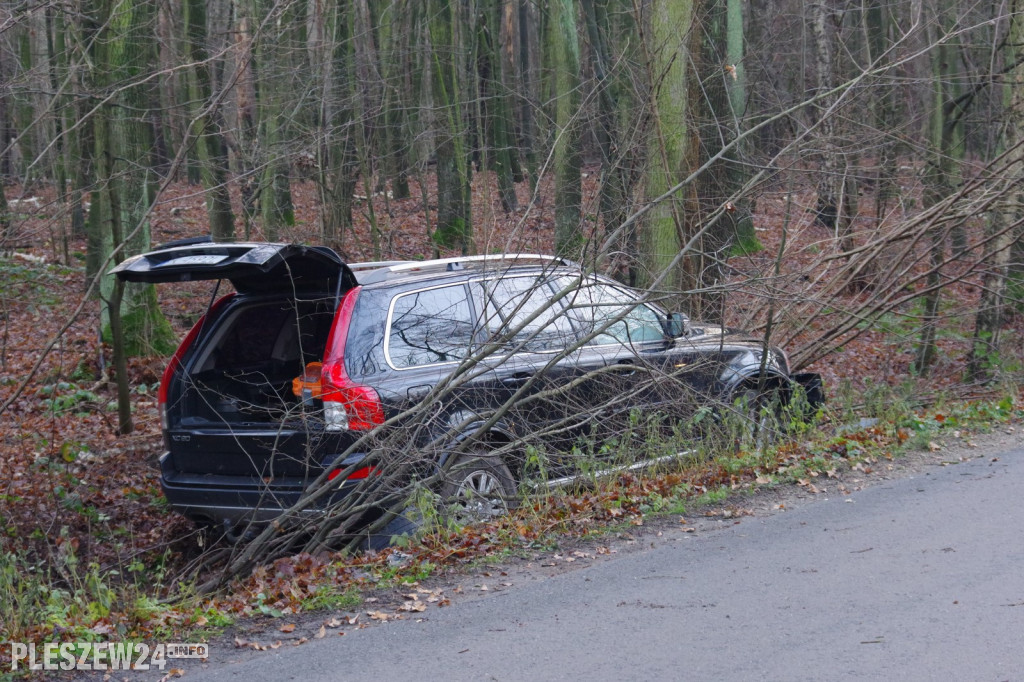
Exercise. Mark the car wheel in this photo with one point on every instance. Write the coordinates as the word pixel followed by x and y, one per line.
pixel 406 523
pixel 477 487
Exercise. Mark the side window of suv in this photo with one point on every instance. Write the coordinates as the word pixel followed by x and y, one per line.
pixel 595 303
pixel 429 327
pixel 510 302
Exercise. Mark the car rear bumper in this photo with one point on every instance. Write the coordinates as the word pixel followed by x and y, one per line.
pixel 236 501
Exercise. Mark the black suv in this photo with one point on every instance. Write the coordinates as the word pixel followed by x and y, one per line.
pixel 278 384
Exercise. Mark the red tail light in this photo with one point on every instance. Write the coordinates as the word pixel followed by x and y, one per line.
pixel 348 406
pixel 356 475
pixel 175 362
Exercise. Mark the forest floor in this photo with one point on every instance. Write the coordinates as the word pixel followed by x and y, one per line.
pixel 71 487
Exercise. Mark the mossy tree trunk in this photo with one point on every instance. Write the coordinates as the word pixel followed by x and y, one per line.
pixel 496 104
pixel 126 143
pixel 562 91
pixel 671 151
pixel 716 104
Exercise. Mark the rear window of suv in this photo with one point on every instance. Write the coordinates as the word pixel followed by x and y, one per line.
pixel 429 327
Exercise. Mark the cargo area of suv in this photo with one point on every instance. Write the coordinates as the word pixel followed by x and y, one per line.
pixel 244 373
pixel 275 385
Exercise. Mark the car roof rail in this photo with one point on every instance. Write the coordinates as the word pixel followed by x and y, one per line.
pixel 375 265
pixel 385 269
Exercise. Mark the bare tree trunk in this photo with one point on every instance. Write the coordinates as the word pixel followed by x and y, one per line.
pixel 1003 223
pixel 276 87
pixel 836 190
pixel 338 165
pixel 496 103
pixel 454 219
pixel 209 125
pixel 943 172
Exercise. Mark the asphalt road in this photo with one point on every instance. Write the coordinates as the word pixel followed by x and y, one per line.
pixel 920 578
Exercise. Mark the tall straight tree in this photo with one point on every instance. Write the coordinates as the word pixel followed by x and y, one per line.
pixel 945 156
pixel 878 31
pixel 124 54
pixel 836 193
pixel 562 92
pixel 337 161
pixel 454 218
pixel 1004 222
pixel 401 80
pixel 496 106
pixel 716 110
pixel 671 149
pixel 208 123
pixel 613 39
pixel 276 46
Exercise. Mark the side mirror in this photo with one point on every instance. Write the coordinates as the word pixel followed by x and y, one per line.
pixel 677 324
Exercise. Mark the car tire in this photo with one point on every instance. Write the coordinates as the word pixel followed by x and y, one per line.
pixel 402 524
pixel 477 487
pixel 761 411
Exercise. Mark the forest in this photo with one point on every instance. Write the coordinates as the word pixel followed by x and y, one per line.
pixel 843 178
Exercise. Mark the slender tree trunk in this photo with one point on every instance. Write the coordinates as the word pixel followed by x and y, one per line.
pixel 836 191
pixel 613 37
pixel 399 76
pixel 943 170
pixel 338 163
pixel 529 93
pixel 720 212
pixel 209 125
pixel 496 120
pixel 126 55
pixel 454 219
pixel 107 210
pixel 878 32
pixel 275 87
pixel 1002 225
